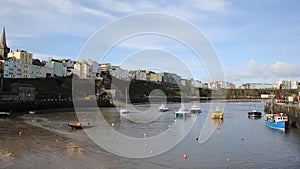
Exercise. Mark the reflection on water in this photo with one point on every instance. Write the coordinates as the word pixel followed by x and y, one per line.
pixel 74 149
pixel 247 143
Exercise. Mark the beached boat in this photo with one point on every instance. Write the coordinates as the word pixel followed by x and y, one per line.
pixel 217 114
pixel 277 121
pixel 254 113
pixel 195 109
pixel 4 114
pixel 163 108
pixel 78 125
pixel 181 112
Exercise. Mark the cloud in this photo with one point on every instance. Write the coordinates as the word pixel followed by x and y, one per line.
pixel 211 5
pixel 254 70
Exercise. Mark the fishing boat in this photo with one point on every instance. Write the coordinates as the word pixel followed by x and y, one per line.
pixel 4 114
pixel 254 113
pixel 181 112
pixel 217 114
pixel 125 110
pixel 78 125
pixel 195 109
pixel 163 108
pixel 277 121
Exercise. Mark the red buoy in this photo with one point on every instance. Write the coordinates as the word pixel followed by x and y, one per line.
pixel 20 133
pixel 185 156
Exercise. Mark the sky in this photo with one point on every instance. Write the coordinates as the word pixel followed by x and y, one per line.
pixel 255 40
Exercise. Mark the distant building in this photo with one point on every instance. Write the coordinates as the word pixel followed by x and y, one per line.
pixel 186 82
pixel 36 71
pixel 138 74
pixel 230 85
pixel 155 77
pixel 287 84
pixel 214 85
pixel 257 86
pixel 4 50
pixel 105 67
pixel 197 84
pixel 21 56
pixel 25 59
pixel 86 69
pixel 8 70
pixel 119 73
pixel 57 66
pixel 69 66
pixel 171 78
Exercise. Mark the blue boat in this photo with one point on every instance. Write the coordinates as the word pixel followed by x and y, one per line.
pixel 254 113
pixel 277 121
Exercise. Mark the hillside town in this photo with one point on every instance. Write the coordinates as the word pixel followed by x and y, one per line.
pixel 22 64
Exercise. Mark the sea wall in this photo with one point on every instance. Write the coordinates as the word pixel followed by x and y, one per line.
pixel 290 109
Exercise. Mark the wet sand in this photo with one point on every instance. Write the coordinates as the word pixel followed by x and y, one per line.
pixel 25 142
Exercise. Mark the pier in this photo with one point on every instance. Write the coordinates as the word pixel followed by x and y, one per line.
pixel 292 110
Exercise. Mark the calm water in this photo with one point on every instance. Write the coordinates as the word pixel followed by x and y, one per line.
pixel 240 143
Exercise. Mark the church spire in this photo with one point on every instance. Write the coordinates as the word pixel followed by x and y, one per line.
pixel 3 39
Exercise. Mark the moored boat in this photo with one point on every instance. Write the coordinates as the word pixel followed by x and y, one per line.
pixel 124 111
pixel 181 112
pixel 195 109
pixel 254 113
pixel 217 114
pixel 277 121
pixel 163 108
pixel 5 114
pixel 78 125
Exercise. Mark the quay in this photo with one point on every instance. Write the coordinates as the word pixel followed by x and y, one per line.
pixel 289 109
pixel 292 110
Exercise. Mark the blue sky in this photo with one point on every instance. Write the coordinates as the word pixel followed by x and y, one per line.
pixel 256 40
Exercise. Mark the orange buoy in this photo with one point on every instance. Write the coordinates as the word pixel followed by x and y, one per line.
pixel 20 133
pixel 185 156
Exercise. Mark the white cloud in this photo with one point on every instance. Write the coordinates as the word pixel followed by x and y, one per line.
pixel 254 70
pixel 211 5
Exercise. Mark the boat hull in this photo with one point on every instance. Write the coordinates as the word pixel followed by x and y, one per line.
pixel 76 126
pixel 254 114
pixel 163 110
pixel 277 125
pixel 4 114
pixel 195 111
pixel 217 116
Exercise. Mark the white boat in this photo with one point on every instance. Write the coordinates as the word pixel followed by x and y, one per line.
pixel 163 108
pixel 181 112
pixel 4 114
pixel 195 109
pixel 125 110
pixel 32 112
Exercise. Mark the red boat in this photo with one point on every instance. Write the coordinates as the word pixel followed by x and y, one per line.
pixel 78 125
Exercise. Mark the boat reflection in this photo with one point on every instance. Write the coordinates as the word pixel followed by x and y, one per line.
pixel 218 121
pixel 254 117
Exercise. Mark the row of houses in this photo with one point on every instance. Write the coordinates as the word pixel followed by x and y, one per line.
pixel 20 64
pixel 283 84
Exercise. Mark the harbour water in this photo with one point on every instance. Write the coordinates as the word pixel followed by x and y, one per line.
pixel 43 140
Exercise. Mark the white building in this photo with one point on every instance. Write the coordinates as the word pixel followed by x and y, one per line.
pixel 258 86
pixel 86 69
pixel 287 84
pixel 36 71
